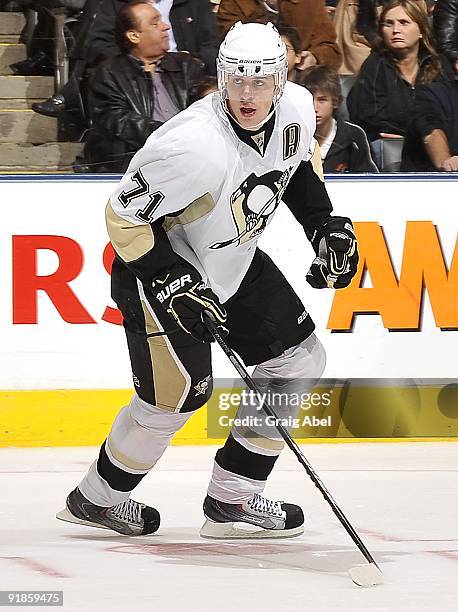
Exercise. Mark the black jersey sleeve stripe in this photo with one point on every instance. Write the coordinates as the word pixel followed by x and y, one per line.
pixel 308 200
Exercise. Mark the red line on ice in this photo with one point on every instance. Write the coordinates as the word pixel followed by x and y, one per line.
pixel 37 567
pixel 448 554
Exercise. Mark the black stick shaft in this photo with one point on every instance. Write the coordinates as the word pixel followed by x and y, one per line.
pixel 213 329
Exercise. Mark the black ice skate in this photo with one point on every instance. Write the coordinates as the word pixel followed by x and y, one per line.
pixel 129 517
pixel 256 518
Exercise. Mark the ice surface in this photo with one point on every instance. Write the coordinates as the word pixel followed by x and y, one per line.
pixel 402 498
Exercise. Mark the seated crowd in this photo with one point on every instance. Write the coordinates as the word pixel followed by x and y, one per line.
pixel 381 73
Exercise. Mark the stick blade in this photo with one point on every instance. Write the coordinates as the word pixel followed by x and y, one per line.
pixel 367 575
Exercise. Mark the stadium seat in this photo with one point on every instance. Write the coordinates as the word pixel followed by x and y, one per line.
pixel 391 154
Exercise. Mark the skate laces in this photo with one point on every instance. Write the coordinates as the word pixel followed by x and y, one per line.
pixel 129 511
pixel 258 503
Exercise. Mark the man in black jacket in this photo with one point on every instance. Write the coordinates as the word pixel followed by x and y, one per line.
pixel 432 142
pixel 446 28
pixel 194 30
pixel 134 93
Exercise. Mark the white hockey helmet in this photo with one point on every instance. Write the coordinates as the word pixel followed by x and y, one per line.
pixel 252 50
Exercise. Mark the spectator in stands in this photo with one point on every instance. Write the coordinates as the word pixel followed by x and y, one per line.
pixel 308 17
pixel 367 20
pixel 355 22
pixel 344 146
pixel 432 141
pixel 94 43
pixel 194 30
pixel 293 47
pixel 134 93
pixel 446 28
pixel 40 60
pixel 381 100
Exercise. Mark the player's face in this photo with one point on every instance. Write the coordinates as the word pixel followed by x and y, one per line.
pixel 250 99
pixel 151 33
pixel 324 107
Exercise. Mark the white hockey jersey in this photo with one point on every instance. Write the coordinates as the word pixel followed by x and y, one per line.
pixel 215 193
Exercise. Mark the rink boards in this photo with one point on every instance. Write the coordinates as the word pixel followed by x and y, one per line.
pixel 65 369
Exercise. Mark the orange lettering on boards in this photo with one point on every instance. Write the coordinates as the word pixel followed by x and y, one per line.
pixel 399 301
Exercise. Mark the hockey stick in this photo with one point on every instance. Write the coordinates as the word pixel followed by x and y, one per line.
pixel 363 575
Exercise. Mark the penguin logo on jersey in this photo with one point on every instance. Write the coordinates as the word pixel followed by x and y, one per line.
pixel 253 203
pixel 202 386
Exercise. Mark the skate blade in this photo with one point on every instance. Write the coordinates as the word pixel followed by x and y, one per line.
pixel 223 531
pixel 67 516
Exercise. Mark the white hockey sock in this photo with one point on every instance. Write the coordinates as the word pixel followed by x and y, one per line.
pixel 138 438
pixel 233 488
pixel 295 371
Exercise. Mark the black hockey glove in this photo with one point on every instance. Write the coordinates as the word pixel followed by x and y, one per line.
pixel 338 258
pixel 183 295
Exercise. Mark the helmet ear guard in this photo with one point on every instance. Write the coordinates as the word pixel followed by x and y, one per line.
pixel 252 50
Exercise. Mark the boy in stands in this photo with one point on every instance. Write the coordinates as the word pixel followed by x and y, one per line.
pixel 343 145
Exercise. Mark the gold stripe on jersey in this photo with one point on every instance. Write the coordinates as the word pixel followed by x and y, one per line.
pixel 126 461
pixel 315 160
pixel 261 442
pixel 196 210
pixel 129 241
pixel 169 381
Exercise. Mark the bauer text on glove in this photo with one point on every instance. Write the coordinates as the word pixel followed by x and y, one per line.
pixel 183 294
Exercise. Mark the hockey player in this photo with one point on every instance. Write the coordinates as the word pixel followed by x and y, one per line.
pixel 184 223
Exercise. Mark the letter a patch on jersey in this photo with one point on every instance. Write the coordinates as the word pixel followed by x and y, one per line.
pixel 291 139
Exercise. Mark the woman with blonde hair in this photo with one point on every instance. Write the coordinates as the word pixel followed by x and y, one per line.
pixel 381 100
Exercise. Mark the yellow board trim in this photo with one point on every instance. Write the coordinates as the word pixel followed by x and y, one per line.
pixel 83 418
